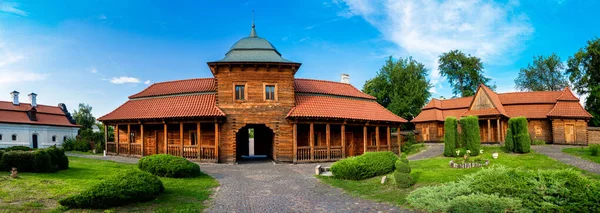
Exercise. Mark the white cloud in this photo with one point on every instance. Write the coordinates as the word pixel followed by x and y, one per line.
pixel 427 28
pixel 7 77
pixel 124 79
pixel 93 70
pixel 102 17
pixel 147 82
pixel 11 7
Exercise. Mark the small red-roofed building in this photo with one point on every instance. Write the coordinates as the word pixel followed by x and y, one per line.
pixel 553 116
pixel 294 120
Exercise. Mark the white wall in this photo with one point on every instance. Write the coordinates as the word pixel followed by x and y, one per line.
pixel 24 134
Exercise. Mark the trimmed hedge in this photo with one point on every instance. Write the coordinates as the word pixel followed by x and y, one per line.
pixel 403 180
pixel 19 148
pixel 126 188
pixel 470 134
pixel 450 136
pixel 59 160
pixel 484 203
pixel 594 149
pixel 402 166
pixel 519 139
pixel 364 166
pixel 169 166
pixel 41 160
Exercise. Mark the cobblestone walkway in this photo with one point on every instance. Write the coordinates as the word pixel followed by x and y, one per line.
pixel 555 151
pixel 432 150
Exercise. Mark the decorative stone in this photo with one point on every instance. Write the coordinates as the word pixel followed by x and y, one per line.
pixel 383 179
pixel 495 155
pixel 14 173
pixel 318 170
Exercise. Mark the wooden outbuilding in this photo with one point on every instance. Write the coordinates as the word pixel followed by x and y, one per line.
pixel 293 120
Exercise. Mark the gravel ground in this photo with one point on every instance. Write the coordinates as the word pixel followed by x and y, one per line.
pixel 555 151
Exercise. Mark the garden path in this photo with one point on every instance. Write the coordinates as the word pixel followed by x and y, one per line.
pixel 432 150
pixel 555 151
pixel 263 186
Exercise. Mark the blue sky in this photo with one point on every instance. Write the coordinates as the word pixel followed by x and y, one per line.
pixel 100 52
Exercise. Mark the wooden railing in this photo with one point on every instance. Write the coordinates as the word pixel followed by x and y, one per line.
pixel 111 147
pixel 135 149
pixel 174 149
pixel 303 153
pixel 335 152
pixel 123 148
pixel 371 148
pixel 190 152
pixel 395 148
pixel 208 153
pixel 320 153
pixel 383 147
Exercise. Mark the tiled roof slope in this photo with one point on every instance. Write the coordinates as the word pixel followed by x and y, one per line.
pixel 188 106
pixel 328 88
pixel 46 115
pixel 195 85
pixel 539 104
pixel 317 106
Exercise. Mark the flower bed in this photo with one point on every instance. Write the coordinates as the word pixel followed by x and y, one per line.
pixel 465 164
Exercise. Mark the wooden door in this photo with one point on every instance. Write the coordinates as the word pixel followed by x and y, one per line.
pixel 350 145
pixel 425 133
pixel 570 133
pixel 160 142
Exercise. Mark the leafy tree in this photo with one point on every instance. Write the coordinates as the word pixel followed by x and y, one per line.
pixel 584 72
pixel 111 131
pixel 84 117
pixel 464 72
pixel 400 86
pixel 544 74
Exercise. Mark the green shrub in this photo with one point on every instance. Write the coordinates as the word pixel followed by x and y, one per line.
pixel 169 166
pixel 127 188
pixel 484 203
pixel 403 180
pixel 403 158
pixel 60 161
pixel 19 148
pixel 470 134
pixel 74 144
pixel 22 160
pixel 538 142
pixel 450 136
pixel 1 153
pixel 509 142
pixel 364 166
pixel 402 166
pixel 519 137
pixel 407 145
pixel 595 149
pixel 437 198
pixel 42 162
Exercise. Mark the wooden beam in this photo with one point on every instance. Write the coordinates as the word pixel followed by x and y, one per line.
pixel 343 141
pixel 502 136
pixel 365 139
pixel 311 139
pixel 198 140
pixel 105 138
pixel 377 137
pixel 295 143
pixel 166 140
pixel 142 135
pixel 327 140
pixel 181 136
pixel 128 138
pixel 118 135
pixel 498 128
pixel 217 141
pixel 489 131
pixel 389 138
pixel 399 139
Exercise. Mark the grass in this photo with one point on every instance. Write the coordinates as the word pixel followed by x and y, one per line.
pixel 36 192
pixel 85 153
pixel 437 171
pixel 582 152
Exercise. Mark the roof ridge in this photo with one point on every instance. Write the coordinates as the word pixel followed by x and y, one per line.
pixel 173 81
pixel 30 104
pixel 567 89
pixel 527 92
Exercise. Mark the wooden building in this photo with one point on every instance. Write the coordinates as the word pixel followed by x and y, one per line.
pixel 294 120
pixel 554 116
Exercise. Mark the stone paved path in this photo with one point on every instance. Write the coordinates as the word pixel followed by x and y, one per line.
pixel 555 151
pixel 262 186
pixel 432 150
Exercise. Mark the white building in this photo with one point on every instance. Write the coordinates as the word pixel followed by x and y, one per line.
pixel 33 125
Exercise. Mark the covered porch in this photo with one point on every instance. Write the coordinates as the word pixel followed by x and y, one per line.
pixel 192 139
pixel 492 129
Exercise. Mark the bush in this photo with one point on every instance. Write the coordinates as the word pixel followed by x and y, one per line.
pixel 74 144
pixel 364 166
pixel 437 198
pixel 59 160
pixel 19 148
pixel 22 160
pixel 402 166
pixel 538 142
pixel 407 145
pixel 509 142
pixel 169 166
pixel 403 180
pixel 129 187
pixel 470 134
pixel 519 137
pixel 484 203
pixel 41 160
pixel 403 158
pixel 595 149
pixel 1 153
pixel 450 136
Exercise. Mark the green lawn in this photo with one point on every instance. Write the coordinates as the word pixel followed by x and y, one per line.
pixel 36 192
pixel 437 170
pixel 582 152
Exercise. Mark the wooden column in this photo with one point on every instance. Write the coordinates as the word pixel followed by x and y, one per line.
pixel 502 132
pixel 389 138
pixel 217 141
pixel 105 138
pixel 295 142
pixel 365 139
pixel 311 140
pixel 118 135
pixel 327 140
pixel 128 139
pixel 489 131
pixel 343 141
pixel 181 136
pixel 399 139
pixel 142 135
pixel 198 141
pixel 166 140
pixel 498 128
pixel 377 137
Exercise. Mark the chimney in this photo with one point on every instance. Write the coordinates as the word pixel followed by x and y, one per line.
pixel 32 98
pixel 345 78
pixel 15 97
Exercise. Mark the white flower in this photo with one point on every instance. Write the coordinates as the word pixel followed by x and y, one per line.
pixel 468 151
pixel 481 151
pixel 457 152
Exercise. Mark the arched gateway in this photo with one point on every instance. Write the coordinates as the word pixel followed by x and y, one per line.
pixel 296 120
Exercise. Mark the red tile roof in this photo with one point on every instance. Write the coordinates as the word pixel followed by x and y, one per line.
pixel 569 109
pixel 529 110
pixel 538 97
pixel 315 106
pixel 495 100
pixel 46 115
pixel 195 85
pixel 567 95
pixel 328 88
pixel 187 106
pixel 481 112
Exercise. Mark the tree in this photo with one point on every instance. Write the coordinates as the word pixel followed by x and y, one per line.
pixel 400 86
pixel 517 137
pixel 450 136
pixel 583 70
pixel 464 72
pixel 469 127
pixel 111 131
pixel 84 117
pixel 545 74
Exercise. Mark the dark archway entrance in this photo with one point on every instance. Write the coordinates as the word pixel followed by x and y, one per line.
pixel 34 139
pixel 258 147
